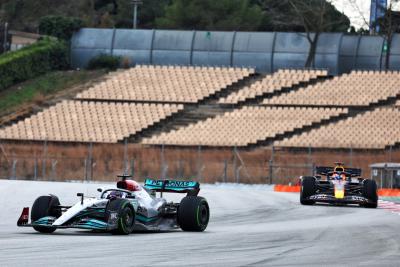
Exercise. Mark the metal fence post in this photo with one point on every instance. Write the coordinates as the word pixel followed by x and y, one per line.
pixel 85 169
pixel 14 170
pixel 133 167
pixel 90 161
pixel 44 156
pixel 53 169
pixel 126 156
pixel 199 164
pixel 351 156
pixel 238 174
pixel 162 161
pixel 225 171
pixel 35 168
pixel 271 165
pixel 271 171
pixel 234 164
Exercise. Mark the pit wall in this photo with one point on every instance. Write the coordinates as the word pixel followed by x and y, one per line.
pixel 102 162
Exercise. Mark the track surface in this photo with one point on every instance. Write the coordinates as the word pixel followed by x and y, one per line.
pixel 250 226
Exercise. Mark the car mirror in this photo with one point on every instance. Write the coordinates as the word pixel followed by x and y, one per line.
pixel 100 190
pixel 80 195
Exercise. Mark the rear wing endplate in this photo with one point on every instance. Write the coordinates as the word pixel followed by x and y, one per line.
pixel 190 187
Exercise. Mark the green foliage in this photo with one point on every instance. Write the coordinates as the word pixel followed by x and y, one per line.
pixel 104 62
pixel 32 61
pixel 60 27
pixel 212 15
pixel 302 15
pixel 254 15
pixel 42 86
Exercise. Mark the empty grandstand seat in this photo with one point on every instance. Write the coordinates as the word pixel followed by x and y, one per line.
pixel 272 83
pixel 244 126
pixel 165 84
pixel 359 88
pixel 76 121
pixel 375 129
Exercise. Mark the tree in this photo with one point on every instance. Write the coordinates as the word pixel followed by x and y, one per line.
pixel 224 15
pixel 59 26
pixel 389 24
pixel 316 17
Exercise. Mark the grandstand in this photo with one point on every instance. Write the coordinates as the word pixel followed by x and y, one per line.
pixel 166 84
pixel 222 107
pixel 273 83
pixel 76 121
pixel 374 129
pixel 182 108
pixel 359 88
pixel 245 126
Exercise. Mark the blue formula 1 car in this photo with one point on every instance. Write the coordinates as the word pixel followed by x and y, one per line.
pixel 340 186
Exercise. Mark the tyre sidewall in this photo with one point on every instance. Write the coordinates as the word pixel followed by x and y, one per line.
pixel 122 207
pixel 308 189
pixel 43 207
pixel 370 192
pixel 193 214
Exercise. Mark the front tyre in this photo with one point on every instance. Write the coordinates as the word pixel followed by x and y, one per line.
pixel 42 207
pixel 308 189
pixel 370 193
pixel 125 220
pixel 193 214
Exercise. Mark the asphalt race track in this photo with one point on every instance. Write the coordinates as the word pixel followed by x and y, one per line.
pixel 250 226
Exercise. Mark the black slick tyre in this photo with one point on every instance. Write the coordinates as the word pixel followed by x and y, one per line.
pixel 370 193
pixel 126 215
pixel 193 214
pixel 42 207
pixel 308 189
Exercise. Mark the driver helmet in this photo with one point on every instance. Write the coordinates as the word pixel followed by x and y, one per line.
pixel 114 194
pixel 337 176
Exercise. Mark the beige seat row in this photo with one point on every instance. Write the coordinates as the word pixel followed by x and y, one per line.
pixel 371 130
pixel 354 89
pixel 244 126
pixel 273 83
pixel 76 121
pixel 165 84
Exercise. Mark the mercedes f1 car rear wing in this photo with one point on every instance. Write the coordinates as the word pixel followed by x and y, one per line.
pixel 190 187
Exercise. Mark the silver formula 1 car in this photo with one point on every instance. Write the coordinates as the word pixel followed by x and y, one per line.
pixel 340 186
pixel 128 207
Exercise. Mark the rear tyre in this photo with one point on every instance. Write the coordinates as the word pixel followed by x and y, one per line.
pixel 126 215
pixel 42 207
pixel 193 214
pixel 308 188
pixel 370 193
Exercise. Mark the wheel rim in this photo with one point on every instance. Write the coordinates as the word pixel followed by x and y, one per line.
pixel 203 215
pixel 128 218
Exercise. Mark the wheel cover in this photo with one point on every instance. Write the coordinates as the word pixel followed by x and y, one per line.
pixel 128 217
pixel 203 215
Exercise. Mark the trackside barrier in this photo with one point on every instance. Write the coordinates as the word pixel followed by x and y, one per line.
pixel 296 189
pixel 287 188
pixel 389 192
